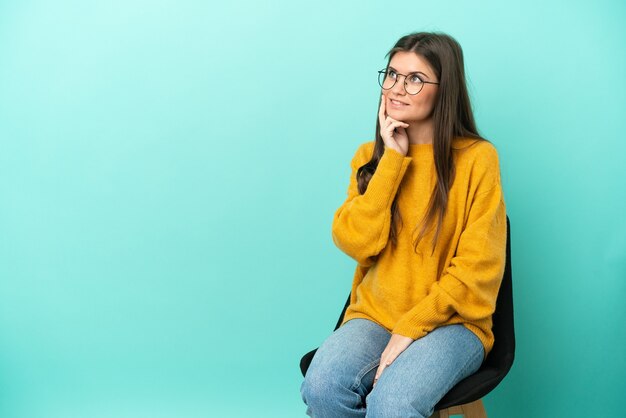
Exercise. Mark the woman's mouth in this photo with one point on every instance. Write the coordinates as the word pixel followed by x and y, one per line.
pixel 396 104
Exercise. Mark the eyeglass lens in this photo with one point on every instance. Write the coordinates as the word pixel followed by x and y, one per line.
pixel 412 83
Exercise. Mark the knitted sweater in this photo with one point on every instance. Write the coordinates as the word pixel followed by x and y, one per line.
pixel 409 293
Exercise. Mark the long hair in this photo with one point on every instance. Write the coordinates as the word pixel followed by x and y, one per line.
pixel 452 117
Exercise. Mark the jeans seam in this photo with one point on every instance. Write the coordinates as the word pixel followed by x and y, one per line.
pixel 364 371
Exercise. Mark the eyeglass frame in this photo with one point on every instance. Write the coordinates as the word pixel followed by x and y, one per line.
pixel 405 76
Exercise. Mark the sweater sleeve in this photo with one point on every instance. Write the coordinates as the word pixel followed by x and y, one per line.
pixel 362 223
pixel 470 284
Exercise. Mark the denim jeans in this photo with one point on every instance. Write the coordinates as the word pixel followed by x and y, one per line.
pixel 340 378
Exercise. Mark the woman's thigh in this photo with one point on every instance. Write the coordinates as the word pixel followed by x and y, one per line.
pixel 343 368
pixel 423 373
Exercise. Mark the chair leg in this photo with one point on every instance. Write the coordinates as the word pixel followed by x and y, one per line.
pixel 474 409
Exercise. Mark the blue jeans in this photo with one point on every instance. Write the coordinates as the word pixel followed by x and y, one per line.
pixel 339 381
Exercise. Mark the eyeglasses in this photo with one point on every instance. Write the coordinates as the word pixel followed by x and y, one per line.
pixel 412 83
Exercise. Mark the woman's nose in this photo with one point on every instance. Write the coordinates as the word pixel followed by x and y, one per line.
pixel 398 88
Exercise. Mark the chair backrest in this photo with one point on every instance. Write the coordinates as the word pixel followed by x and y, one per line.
pixel 500 358
pixel 503 352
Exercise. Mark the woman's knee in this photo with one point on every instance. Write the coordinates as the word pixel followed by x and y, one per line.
pixel 320 385
pixel 315 389
pixel 384 402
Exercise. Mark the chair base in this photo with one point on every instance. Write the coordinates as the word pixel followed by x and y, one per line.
pixel 474 409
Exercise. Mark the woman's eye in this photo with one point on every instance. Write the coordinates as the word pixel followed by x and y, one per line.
pixel 391 73
pixel 416 79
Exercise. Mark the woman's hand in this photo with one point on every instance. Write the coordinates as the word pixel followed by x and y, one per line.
pixel 392 131
pixel 396 345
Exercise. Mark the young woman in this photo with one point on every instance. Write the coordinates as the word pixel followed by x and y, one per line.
pixel 420 313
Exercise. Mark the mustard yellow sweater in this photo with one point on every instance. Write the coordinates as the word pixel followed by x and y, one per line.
pixel 410 293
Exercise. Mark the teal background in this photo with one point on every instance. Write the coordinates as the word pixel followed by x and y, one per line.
pixel 169 171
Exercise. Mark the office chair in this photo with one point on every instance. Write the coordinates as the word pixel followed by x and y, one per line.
pixel 466 396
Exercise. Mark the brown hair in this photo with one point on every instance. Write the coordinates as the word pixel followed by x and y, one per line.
pixel 452 117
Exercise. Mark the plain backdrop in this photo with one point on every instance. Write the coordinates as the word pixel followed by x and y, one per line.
pixel 169 172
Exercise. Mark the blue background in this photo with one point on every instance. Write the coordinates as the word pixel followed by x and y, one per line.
pixel 169 171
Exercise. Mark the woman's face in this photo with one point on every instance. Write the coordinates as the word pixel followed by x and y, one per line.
pixel 416 107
